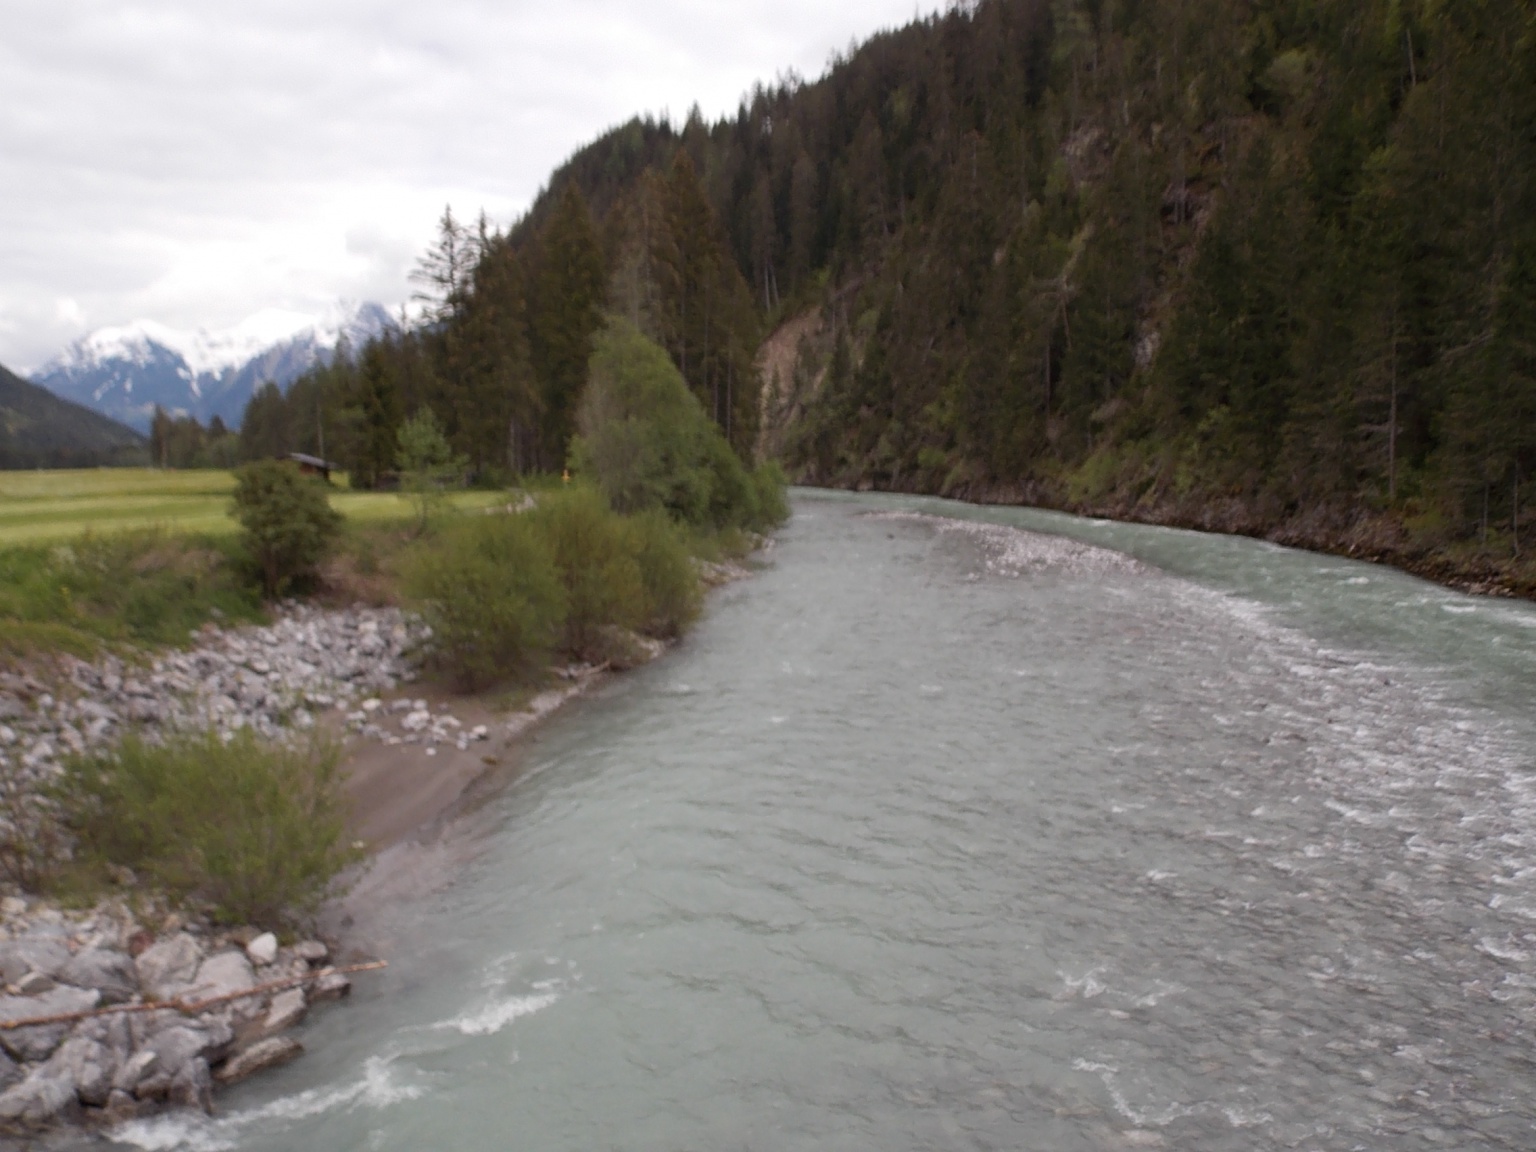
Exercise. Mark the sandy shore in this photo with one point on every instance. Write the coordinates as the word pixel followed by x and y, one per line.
pixel 404 808
pixel 394 790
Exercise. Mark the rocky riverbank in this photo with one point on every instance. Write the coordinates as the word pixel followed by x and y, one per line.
pixel 103 1019
pixel 274 679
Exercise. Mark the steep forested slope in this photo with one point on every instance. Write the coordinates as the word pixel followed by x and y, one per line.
pixel 1265 265
pixel 38 430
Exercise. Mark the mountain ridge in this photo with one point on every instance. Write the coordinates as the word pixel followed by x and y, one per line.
pixel 125 371
pixel 40 430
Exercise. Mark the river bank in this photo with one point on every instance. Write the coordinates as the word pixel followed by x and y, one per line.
pixel 1358 534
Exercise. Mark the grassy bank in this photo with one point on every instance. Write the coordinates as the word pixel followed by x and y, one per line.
pixel 37 507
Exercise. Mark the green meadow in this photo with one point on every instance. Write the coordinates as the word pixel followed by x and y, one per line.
pixel 36 507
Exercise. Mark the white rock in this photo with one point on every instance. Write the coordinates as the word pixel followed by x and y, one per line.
pixel 263 949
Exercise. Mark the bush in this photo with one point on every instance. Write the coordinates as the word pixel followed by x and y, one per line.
pixel 289 524
pixel 768 484
pixel 647 442
pixel 672 593
pixel 489 588
pixel 595 554
pixel 253 830
pixel 427 464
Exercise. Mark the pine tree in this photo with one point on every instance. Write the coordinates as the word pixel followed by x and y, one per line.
pixel 380 409
pixel 565 312
pixel 443 272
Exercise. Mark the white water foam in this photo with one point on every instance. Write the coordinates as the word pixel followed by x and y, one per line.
pixel 377 1088
pixel 493 1017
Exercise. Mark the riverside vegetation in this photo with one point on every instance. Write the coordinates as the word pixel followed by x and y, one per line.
pixel 197 778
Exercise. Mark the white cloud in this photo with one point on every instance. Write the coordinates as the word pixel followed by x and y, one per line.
pixel 195 161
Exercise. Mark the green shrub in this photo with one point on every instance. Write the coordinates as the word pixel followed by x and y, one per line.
pixel 673 596
pixel 647 442
pixel 489 588
pixel 289 524
pixel 427 464
pixel 768 484
pixel 594 552
pixel 254 831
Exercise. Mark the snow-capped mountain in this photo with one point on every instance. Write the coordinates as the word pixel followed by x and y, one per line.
pixel 124 372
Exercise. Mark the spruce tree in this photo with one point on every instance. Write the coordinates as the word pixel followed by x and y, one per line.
pixel 565 313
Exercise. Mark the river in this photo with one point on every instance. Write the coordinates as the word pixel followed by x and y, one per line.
pixel 963 828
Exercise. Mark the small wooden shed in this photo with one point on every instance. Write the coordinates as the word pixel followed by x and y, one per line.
pixel 314 466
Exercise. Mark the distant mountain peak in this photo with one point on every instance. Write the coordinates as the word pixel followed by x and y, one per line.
pixel 124 371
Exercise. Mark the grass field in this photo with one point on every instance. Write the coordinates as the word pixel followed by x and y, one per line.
pixel 41 506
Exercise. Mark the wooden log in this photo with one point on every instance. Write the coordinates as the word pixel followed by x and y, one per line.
pixel 193 1007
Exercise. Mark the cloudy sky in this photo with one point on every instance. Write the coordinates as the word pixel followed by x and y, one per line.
pixel 195 161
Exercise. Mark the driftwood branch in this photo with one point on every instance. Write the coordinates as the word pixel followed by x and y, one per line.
pixel 193 1007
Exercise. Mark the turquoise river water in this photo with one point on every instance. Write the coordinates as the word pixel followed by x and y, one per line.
pixel 962 828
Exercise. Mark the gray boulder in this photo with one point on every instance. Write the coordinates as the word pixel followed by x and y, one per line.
pixel 87 1065
pixel 10 1071
pixel 330 986
pixel 37 1042
pixel 135 1070
pixel 311 951
pixel 192 1087
pixel 288 1008
pixel 39 1099
pixel 44 954
pixel 175 1048
pixel 35 984
pixel 222 975
pixel 111 973
pixel 260 1056
pixel 166 968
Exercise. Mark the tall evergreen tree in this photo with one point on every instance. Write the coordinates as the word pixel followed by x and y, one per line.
pixel 565 313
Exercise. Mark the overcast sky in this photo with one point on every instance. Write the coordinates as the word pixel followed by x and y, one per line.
pixel 195 161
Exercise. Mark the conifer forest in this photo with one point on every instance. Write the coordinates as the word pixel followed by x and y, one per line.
pixel 1266 266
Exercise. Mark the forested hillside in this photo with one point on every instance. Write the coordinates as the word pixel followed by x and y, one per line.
pixel 1264 265
pixel 38 430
